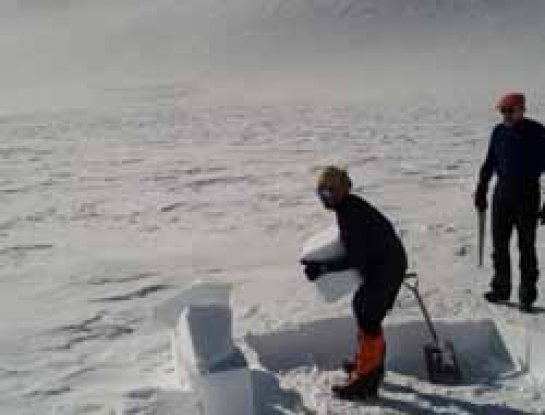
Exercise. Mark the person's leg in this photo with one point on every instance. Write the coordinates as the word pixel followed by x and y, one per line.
pixel 358 303
pixel 381 290
pixel 503 219
pixel 379 300
pixel 526 228
pixel 368 369
pixel 371 303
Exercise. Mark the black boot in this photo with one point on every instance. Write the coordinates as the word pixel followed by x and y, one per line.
pixel 526 307
pixel 349 366
pixel 363 388
pixel 527 296
pixel 497 297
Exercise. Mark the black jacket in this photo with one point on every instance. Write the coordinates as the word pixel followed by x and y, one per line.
pixel 516 154
pixel 369 238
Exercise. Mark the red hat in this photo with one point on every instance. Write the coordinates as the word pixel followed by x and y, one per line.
pixel 514 99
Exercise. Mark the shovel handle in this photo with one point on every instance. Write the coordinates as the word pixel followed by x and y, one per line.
pixel 416 292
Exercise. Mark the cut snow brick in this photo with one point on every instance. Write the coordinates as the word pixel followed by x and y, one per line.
pixel 204 351
pixel 227 393
pixel 198 294
pixel 326 246
pixel 227 389
pixel 323 246
pixel 203 337
pixel 336 285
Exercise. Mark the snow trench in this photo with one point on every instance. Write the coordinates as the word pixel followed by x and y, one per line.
pixel 480 345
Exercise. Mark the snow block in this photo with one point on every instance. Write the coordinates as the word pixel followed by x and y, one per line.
pixel 323 246
pixel 204 351
pixel 334 286
pixel 326 246
pixel 227 393
pixel 198 294
pixel 203 337
pixel 227 388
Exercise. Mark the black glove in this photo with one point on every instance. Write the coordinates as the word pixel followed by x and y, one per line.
pixel 313 270
pixel 541 215
pixel 480 201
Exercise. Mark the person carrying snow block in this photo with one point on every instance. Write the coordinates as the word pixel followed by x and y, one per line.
pixel 516 154
pixel 374 249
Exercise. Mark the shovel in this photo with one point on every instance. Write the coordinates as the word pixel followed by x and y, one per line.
pixel 441 362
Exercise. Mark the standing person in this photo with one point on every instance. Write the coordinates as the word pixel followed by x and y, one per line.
pixel 374 249
pixel 516 154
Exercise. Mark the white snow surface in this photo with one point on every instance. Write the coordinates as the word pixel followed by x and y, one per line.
pixel 145 145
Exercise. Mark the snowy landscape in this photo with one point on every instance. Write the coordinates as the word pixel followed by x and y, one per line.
pixel 147 145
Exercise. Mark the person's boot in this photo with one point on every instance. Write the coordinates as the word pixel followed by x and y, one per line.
pixel 362 388
pixel 497 297
pixel 527 296
pixel 348 366
pixel 526 307
pixel 365 380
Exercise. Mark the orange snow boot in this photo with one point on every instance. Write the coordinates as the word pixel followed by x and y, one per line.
pixel 349 366
pixel 369 373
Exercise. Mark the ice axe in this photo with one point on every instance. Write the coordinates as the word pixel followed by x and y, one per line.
pixel 482 228
pixel 441 361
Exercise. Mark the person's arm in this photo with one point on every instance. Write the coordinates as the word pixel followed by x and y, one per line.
pixel 489 165
pixel 315 269
pixel 485 174
pixel 541 135
pixel 339 264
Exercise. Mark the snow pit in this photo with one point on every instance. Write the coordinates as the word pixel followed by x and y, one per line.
pixel 481 348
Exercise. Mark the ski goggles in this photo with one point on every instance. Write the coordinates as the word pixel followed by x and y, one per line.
pixel 325 194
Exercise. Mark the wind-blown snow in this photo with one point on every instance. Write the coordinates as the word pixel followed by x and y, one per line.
pixel 144 145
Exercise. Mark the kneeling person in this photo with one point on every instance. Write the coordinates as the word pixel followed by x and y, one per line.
pixel 374 249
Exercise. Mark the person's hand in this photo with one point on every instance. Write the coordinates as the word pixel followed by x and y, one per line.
pixel 481 204
pixel 313 270
pixel 541 215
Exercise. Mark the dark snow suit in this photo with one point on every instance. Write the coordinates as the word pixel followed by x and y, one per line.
pixel 517 155
pixel 374 249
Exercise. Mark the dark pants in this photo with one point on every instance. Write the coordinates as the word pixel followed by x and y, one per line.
pixel 377 296
pixel 515 207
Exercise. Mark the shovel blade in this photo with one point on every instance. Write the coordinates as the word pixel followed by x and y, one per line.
pixel 442 364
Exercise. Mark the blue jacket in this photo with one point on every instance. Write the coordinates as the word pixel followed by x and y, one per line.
pixel 516 154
